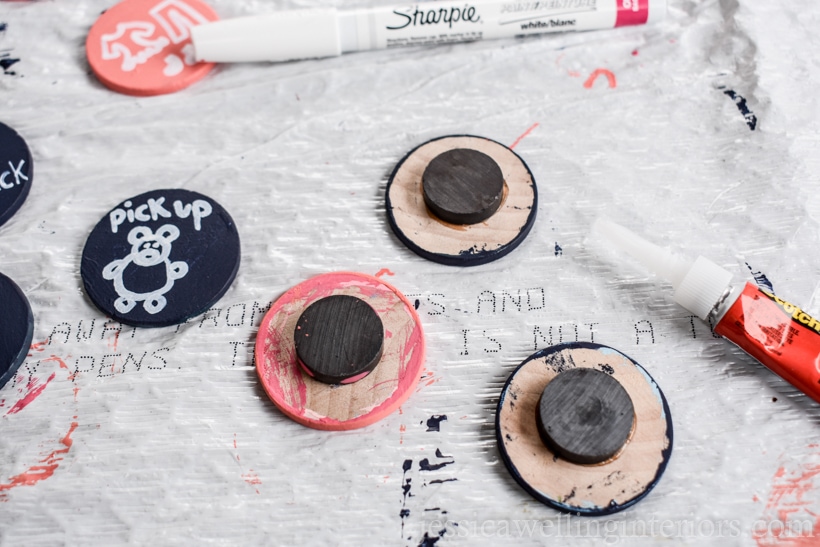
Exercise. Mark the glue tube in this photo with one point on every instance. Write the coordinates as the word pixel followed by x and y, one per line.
pixel 780 335
pixel 305 34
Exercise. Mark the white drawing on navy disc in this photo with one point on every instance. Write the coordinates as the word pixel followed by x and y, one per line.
pixel 147 249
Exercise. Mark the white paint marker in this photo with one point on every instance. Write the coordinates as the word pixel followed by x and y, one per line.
pixel 306 34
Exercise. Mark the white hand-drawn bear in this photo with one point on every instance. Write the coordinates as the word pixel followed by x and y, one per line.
pixel 147 249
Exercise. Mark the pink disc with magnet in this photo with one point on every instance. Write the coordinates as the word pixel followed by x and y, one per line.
pixel 341 406
pixel 143 47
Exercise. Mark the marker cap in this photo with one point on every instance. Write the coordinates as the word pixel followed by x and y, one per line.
pixel 279 36
pixel 699 285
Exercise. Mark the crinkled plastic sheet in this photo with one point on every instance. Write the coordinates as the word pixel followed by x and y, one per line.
pixel 187 449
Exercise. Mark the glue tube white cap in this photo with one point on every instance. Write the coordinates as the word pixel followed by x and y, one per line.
pixel 699 285
pixel 278 36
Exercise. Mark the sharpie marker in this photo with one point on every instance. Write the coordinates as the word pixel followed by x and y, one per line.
pixel 780 335
pixel 305 34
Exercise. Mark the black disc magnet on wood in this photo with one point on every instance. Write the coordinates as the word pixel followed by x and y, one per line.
pixel 585 415
pixel 422 221
pixel 463 186
pixel 339 339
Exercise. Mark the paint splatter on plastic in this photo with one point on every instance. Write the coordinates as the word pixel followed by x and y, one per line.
pixel 6 60
pixel 761 279
pixel 434 422
pixel 405 487
pixel 610 78
pixel 748 115
pixel 37 473
pixel 523 135
pixel 790 505
pixel 33 390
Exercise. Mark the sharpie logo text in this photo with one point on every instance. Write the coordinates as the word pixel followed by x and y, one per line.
pixel 417 16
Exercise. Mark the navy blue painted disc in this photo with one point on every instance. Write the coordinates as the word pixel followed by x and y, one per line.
pixel 160 258
pixel 437 239
pixel 16 172
pixel 584 490
pixel 16 328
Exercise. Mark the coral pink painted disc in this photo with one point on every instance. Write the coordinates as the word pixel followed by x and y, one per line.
pixel 349 406
pixel 143 47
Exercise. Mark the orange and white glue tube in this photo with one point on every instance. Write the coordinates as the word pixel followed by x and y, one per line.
pixel 780 335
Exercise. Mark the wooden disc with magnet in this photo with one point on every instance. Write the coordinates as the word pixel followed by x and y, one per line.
pixel 461 200
pixel 369 395
pixel 589 445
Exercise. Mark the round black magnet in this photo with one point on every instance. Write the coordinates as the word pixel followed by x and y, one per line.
pixel 424 228
pixel 160 258
pixel 339 339
pixel 463 186
pixel 587 489
pixel 16 172
pixel 16 328
pixel 585 415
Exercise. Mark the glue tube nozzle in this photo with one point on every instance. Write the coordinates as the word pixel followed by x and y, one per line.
pixel 699 284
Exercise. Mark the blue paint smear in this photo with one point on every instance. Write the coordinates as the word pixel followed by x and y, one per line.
pixel 7 62
pixel 425 465
pixel 761 280
pixel 428 541
pixel 434 422
pixel 748 115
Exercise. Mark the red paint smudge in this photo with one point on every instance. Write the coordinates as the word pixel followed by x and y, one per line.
pixel 600 72
pixel 252 478
pixel 634 52
pixel 56 359
pixel 38 346
pixel 384 271
pixel 33 392
pixel 402 429
pixel 524 135
pixel 234 440
pixel 37 473
pixel 789 519
pixel 62 364
pixel 112 342
pixel 573 74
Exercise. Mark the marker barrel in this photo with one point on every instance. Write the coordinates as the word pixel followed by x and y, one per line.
pixel 305 34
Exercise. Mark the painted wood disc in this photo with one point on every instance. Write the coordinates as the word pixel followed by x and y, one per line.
pixel 16 328
pixel 349 406
pixel 600 489
pixel 160 258
pixel 461 244
pixel 16 172
pixel 143 47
